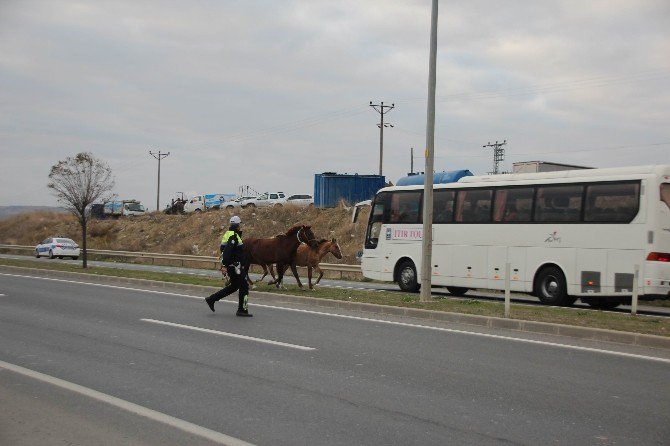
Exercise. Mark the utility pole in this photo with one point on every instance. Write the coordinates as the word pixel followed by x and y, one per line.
pixel 411 160
pixel 380 108
pixel 498 155
pixel 427 243
pixel 159 156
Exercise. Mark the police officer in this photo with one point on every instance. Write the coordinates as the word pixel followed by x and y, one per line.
pixel 232 258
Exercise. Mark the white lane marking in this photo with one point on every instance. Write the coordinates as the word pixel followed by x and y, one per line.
pixel 231 335
pixel 404 324
pixel 182 425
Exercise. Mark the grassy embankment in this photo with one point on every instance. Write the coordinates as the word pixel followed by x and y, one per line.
pixel 576 317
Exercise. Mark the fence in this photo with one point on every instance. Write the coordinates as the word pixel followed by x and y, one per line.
pixel 182 258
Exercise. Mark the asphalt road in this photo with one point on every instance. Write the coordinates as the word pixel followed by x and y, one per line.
pixel 357 285
pixel 291 376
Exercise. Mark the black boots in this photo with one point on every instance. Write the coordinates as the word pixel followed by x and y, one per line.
pixel 210 303
pixel 243 313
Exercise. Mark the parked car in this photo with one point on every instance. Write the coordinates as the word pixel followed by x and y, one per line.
pixel 57 247
pixel 236 203
pixel 265 200
pixel 303 200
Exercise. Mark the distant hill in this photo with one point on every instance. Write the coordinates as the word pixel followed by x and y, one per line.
pixel 10 211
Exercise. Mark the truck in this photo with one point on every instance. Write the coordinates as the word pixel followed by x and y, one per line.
pixel 265 199
pixel 128 208
pixel 202 202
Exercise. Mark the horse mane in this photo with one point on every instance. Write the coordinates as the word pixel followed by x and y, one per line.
pixel 293 230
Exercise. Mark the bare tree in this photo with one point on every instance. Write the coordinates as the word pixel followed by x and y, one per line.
pixel 79 181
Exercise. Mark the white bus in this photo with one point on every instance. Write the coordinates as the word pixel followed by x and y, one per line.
pixel 567 235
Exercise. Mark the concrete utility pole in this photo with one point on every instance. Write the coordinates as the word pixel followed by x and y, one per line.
pixel 411 160
pixel 159 156
pixel 427 246
pixel 498 155
pixel 379 108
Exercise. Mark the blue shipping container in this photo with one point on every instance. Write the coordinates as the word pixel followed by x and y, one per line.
pixel 330 188
pixel 438 178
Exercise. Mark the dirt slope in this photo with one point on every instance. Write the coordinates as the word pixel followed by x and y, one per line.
pixel 197 234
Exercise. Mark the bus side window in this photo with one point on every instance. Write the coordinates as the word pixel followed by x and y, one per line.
pixel 614 202
pixel 558 203
pixel 443 206
pixel 665 194
pixel 405 207
pixel 473 206
pixel 513 204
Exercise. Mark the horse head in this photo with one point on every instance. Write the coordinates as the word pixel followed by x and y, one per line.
pixel 334 249
pixel 306 235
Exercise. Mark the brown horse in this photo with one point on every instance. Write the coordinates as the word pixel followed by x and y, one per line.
pixel 310 257
pixel 280 250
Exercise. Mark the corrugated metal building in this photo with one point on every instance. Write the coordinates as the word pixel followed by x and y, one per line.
pixel 543 166
pixel 331 187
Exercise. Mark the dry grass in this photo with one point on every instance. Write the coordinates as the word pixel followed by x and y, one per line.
pixel 195 234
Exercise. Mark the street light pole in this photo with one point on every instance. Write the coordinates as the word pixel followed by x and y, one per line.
pixel 427 245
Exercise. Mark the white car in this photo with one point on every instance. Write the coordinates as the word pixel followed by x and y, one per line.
pixel 53 247
pixel 302 200
pixel 265 200
pixel 236 203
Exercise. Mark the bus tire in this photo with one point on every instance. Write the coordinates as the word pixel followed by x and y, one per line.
pixel 551 287
pixel 407 279
pixel 457 290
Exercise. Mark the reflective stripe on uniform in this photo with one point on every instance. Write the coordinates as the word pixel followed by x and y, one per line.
pixel 228 235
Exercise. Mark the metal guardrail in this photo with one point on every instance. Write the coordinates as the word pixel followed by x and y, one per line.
pixel 341 268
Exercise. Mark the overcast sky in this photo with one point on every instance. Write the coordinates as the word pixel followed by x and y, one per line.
pixel 268 93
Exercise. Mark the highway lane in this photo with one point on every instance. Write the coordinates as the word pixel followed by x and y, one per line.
pixel 364 382
pixel 356 285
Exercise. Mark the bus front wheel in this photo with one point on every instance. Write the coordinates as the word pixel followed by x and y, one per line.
pixel 551 287
pixel 407 279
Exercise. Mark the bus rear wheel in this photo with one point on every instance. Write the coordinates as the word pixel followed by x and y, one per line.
pixel 407 279
pixel 457 290
pixel 551 287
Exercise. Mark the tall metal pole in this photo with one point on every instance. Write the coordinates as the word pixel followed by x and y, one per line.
pixel 426 249
pixel 381 140
pixel 379 108
pixel 159 156
pixel 411 160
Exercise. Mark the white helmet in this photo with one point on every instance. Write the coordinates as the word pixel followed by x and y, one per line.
pixel 235 220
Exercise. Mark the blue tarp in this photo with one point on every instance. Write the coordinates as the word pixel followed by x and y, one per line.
pixel 438 178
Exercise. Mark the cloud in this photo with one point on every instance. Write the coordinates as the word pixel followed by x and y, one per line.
pixel 270 93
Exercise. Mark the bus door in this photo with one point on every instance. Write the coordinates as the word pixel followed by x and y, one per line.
pixel 373 256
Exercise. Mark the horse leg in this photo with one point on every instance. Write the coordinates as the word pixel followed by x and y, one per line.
pixel 272 273
pixel 320 274
pixel 280 275
pixel 295 274
pixel 309 277
pixel 265 272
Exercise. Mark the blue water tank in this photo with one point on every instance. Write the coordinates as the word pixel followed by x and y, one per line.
pixel 438 178
pixel 330 188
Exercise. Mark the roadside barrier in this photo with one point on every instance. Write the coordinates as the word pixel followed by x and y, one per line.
pixel 333 267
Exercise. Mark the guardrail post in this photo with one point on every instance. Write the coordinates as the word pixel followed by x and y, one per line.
pixel 507 290
pixel 633 304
